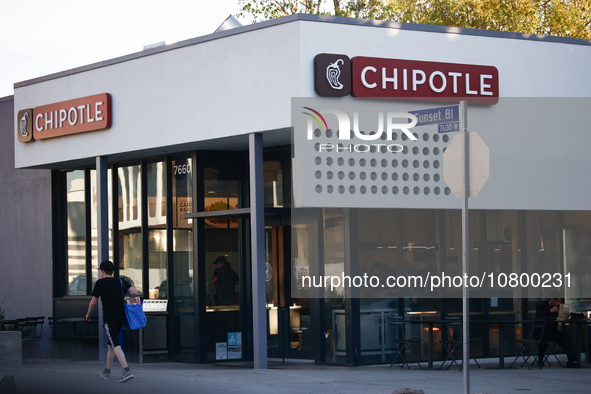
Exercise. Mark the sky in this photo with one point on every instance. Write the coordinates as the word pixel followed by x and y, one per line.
pixel 41 37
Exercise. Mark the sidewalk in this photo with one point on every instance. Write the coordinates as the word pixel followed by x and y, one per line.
pixel 65 377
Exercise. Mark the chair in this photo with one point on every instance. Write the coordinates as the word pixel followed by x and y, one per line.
pixel 59 335
pixel 537 326
pixel 40 322
pixel 454 344
pixel 27 329
pixel 397 323
pixel 551 351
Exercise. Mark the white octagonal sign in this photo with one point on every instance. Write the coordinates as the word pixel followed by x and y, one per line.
pixel 479 157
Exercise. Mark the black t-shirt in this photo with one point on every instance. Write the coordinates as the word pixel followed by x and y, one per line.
pixel 109 291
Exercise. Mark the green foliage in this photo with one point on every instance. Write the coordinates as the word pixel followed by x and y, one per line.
pixel 568 18
pixel 219 206
pixel 271 9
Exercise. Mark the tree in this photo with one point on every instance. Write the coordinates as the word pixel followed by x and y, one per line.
pixel 271 9
pixel 568 18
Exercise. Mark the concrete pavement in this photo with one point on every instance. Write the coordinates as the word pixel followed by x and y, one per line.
pixel 66 377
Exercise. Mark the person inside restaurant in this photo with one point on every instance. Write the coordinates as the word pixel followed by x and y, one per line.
pixel 549 310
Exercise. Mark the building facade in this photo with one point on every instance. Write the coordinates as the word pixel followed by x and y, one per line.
pixel 166 159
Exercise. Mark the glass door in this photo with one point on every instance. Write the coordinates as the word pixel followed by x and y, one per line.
pixel 288 305
pixel 222 258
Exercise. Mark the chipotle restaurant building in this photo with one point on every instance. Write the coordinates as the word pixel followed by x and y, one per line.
pixel 165 159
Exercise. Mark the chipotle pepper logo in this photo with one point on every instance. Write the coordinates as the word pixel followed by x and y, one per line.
pixel 332 75
pixel 24 131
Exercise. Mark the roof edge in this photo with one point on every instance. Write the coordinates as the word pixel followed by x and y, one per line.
pixel 307 18
pixel 7 98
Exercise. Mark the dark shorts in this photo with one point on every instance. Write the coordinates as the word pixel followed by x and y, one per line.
pixel 113 330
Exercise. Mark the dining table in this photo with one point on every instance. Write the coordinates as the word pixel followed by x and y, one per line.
pixel 74 322
pixel 430 325
pixel 501 324
pixel 13 324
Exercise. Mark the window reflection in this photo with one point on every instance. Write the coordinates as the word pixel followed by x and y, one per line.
pixel 130 236
pixel 334 264
pixel 182 189
pixel 76 217
pixel 157 242
pixel 94 221
pixel 273 183
pixel 221 183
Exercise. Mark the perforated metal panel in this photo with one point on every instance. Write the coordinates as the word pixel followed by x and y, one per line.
pixel 359 173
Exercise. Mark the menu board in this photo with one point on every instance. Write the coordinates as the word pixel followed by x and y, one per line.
pixel 155 305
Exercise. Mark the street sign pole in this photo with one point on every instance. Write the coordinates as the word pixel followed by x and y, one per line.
pixel 466 168
pixel 465 256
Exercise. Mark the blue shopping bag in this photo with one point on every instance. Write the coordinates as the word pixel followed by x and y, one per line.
pixel 134 313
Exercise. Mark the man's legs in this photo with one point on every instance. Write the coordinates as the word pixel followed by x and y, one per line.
pixel 114 349
pixel 567 343
pixel 110 356
pixel 120 356
pixel 543 345
pixel 541 350
pixel 106 373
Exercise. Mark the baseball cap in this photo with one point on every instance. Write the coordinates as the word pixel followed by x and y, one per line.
pixel 107 266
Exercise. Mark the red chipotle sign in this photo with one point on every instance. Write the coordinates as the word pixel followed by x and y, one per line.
pixel 67 117
pixel 419 80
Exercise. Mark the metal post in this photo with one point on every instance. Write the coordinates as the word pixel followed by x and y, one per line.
pixel 465 244
pixel 102 217
pixel 257 237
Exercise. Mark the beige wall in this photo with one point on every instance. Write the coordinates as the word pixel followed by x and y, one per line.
pixel 25 230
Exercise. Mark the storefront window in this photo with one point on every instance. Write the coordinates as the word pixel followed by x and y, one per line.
pixel 157 241
pixel 184 305
pixel 76 220
pixel 299 302
pixel 273 183
pixel 577 255
pixel 223 275
pixel 130 232
pixel 421 251
pixel 221 184
pixel 272 289
pixel 334 310
pixel 222 175
pixel 378 256
pixel 94 222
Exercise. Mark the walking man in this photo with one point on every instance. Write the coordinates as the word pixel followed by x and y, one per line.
pixel 108 289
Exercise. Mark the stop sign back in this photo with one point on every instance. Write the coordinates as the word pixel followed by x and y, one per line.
pixel 479 164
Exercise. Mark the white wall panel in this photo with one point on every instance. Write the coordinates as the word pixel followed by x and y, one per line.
pixel 225 87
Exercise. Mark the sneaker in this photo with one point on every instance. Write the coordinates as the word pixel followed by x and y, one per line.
pixel 125 376
pixel 106 375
